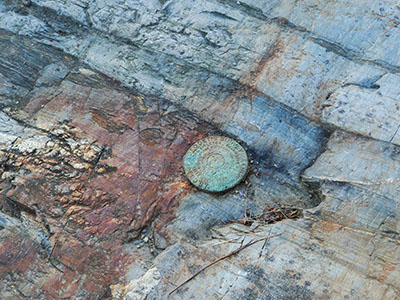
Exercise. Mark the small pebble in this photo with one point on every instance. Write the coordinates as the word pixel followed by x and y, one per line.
pixel 79 166
pixel 146 239
pixel 101 170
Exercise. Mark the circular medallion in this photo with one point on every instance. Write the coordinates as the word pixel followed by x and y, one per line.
pixel 216 163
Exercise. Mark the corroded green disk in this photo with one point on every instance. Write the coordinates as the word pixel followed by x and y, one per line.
pixel 216 163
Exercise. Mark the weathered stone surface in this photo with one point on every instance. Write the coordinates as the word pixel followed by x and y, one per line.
pixel 358 28
pixel 95 164
pixel 91 183
pixel 306 260
pixel 84 168
pixel 277 134
pixel 140 288
pixel 87 189
pixel 302 73
pixel 9 131
pixel 22 65
pixel 175 47
pixel 346 248
pixel 373 165
pixel 369 111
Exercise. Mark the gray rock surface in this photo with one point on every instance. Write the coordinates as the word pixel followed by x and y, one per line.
pixel 100 99
pixel 370 111
pixel 345 248
pixel 207 45
pixel 373 165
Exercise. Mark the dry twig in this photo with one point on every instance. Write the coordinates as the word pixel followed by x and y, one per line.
pixel 218 260
pixel 270 215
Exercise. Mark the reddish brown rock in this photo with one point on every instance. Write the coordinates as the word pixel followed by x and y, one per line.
pixel 111 167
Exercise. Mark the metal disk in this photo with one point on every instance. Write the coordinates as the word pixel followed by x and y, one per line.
pixel 216 163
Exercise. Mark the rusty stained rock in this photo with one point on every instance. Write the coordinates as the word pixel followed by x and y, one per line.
pixel 94 173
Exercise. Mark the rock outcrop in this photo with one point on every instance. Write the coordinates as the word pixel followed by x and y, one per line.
pixel 101 99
